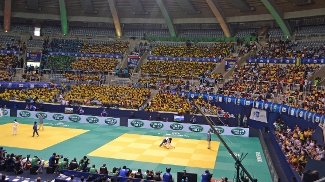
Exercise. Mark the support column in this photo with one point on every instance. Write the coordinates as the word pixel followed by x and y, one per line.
pixel 169 21
pixel 64 18
pixel 277 14
pixel 218 13
pixel 116 20
pixel 7 15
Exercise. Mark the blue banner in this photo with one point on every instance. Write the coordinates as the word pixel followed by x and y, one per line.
pixel 313 61
pixel 133 61
pixel 9 52
pixel 230 63
pixel 273 107
pixel 272 60
pixel 286 60
pixel 33 56
pixel 162 58
pixel 24 85
pixel 78 54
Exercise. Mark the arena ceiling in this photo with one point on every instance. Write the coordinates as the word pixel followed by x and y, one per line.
pixel 167 11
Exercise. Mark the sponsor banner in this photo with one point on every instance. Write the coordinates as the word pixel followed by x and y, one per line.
pixel 286 60
pixel 9 52
pixel 24 85
pixel 33 56
pixel 258 115
pixel 69 117
pixel 272 60
pixel 4 112
pixel 133 61
pixel 312 61
pixel 162 58
pixel 230 63
pixel 187 127
pixel 78 54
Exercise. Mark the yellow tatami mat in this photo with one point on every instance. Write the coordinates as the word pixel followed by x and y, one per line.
pixel 145 148
pixel 49 137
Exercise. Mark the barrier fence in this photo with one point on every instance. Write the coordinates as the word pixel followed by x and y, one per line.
pixel 186 127
pixel 69 117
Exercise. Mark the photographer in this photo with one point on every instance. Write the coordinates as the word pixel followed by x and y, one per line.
pixel 18 166
pixel 167 177
pixel 206 176
pixel 54 162
pixel 38 164
pixel 138 174
pixel 73 164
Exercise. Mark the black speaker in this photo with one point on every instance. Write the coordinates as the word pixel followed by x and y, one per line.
pixel 191 177
pixel 33 170
pixel 49 170
pixel 266 129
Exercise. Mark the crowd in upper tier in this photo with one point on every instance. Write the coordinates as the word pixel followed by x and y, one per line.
pixel 292 49
pixel 215 50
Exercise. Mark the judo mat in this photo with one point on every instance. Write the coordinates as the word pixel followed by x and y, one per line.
pixel 135 148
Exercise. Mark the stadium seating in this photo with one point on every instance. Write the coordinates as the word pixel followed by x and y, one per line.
pixel 52 30
pixel 245 33
pixel 103 47
pixel 22 28
pixel 148 33
pixel 10 42
pixel 35 43
pixel 91 32
pixel 124 97
pixel 310 31
pixel 202 33
pixel 276 33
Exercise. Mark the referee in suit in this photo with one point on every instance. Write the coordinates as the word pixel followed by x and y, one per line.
pixel 209 139
pixel 35 129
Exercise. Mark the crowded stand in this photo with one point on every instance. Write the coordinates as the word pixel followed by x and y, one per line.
pixel 215 50
pixel 38 95
pixel 184 69
pixel 113 96
pixel 103 47
pixel 297 145
pixel 94 64
pixel 64 45
pixel 7 62
pixel 59 62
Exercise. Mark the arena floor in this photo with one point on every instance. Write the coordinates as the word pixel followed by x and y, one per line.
pixel 134 148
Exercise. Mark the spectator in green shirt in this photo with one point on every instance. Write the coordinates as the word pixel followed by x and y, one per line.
pixel 93 170
pixel 81 163
pixel 37 163
pixel 63 164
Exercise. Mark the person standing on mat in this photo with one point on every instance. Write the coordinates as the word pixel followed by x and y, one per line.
pixel 209 139
pixel 15 127
pixel 40 117
pixel 35 129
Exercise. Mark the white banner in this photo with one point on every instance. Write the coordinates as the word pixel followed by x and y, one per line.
pixel 186 127
pixel 69 117
pixel 258 115
pixel 4 112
